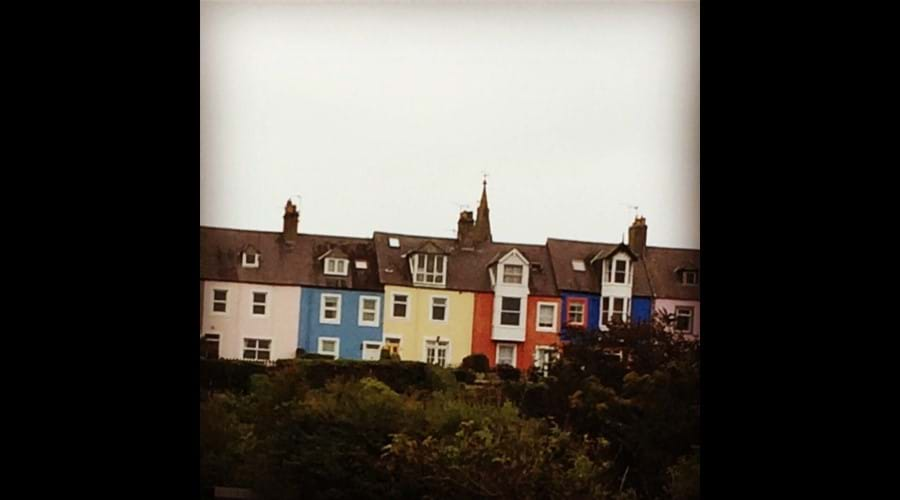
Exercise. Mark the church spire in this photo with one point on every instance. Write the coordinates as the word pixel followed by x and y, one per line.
pixel 483 221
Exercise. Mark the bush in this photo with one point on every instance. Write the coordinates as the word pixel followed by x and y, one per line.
pixel 476 362
pixel 227 374
pixel 508 373
pixel 465 376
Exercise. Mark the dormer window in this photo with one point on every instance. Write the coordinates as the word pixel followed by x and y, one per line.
pixel 394 242
pixel 336 267
pixel 429 269
pixel 251 259
pixel 361 264
pixel 512 273
pixel 617 271
pixel 578 265
pixel 689 278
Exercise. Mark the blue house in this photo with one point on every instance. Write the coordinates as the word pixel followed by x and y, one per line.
pixel 341 298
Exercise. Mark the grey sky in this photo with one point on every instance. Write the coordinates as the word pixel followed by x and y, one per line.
pixel 383 117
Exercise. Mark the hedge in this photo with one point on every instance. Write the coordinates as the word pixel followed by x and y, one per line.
pixel 476 362
pixel 228 374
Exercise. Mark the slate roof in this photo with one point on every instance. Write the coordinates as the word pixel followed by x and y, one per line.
pixel 282 264
pixel 654 275
pixel 467 270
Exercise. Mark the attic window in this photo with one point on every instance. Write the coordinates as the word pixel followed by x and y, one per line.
pixel 578 265
pixel 361 264
pixel 251 259
pixel 394 242
pixel 337 267
pixel 689 277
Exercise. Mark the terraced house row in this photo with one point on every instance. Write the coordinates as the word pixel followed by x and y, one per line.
pixel 267 295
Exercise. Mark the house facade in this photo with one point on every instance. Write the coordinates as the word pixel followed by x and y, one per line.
pixel 342 301
pixel 250 292
pixel 264 295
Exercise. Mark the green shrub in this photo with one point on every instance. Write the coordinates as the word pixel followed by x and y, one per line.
pixel 228 375
pixel 465 376
pixel 476 362
pixel 508 373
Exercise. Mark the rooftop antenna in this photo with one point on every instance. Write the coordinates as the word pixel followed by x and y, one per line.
pixel 632 207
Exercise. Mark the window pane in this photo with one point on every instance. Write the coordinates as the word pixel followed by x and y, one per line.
pixel 511 303
pixel 509 319
pixel 369 304
pixel 330 264
pixel 429 263
pixel 437 313
pixel 330 313
pixel 264 344
pixel 259 297
pixel 512 274
pixel 219 306
pixel 420 277
pixel 249 354
pixel 368 316
pixel 262 355
pixel 546 316
pixel 440 264
pixel 618 305
pixel 439 301
pixel 400 310
pixel 250 343
pixel 400 298
pixel 331 302
pixel 259 309
pixel 328 345
pixel 620 266
pixel 439 278
pixel 219 294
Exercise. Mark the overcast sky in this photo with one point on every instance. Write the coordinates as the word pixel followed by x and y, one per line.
pixel 383 117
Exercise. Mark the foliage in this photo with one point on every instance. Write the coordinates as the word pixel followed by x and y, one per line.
pixel 508 373
pixel 227 374
pixel 476 362
pixel 595 427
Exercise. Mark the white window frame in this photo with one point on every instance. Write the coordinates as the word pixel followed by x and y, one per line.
pixel 246 263
pixel 213 302
pixel 253 303
pixel 244 348
pixel 537 321
pixel 625 272
pixel 578 265
pixel 414 264
pixel 431 308
pixel 583 305
pixel 371 343
pixel 322 318
pixel 515 349
pixel 684 275
pixel 425 342
pixel 386 336
pixel 360 321
pixel 218 336
pixel 521 275
pixel 691 316
pixel 519 311
pixel 336 261
pixel 408 305
pixel 337 346
pixel 538 362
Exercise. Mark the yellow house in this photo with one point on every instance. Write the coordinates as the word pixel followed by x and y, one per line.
pixel 428 324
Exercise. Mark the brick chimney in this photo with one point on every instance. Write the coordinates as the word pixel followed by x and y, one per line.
pixel 464 229
pixel 291 220
pixel 637 236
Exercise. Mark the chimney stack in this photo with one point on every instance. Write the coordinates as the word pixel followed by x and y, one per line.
pixel 464 228
pixel 291 220
pixel 637 236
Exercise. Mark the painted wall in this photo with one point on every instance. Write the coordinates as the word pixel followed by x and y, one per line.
pixel 349 331
pixel 525 351
pixel 592 320
pixel 533 337
pixel 278 324
pixel 669 305
pixel 641 308
pixel 417 326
